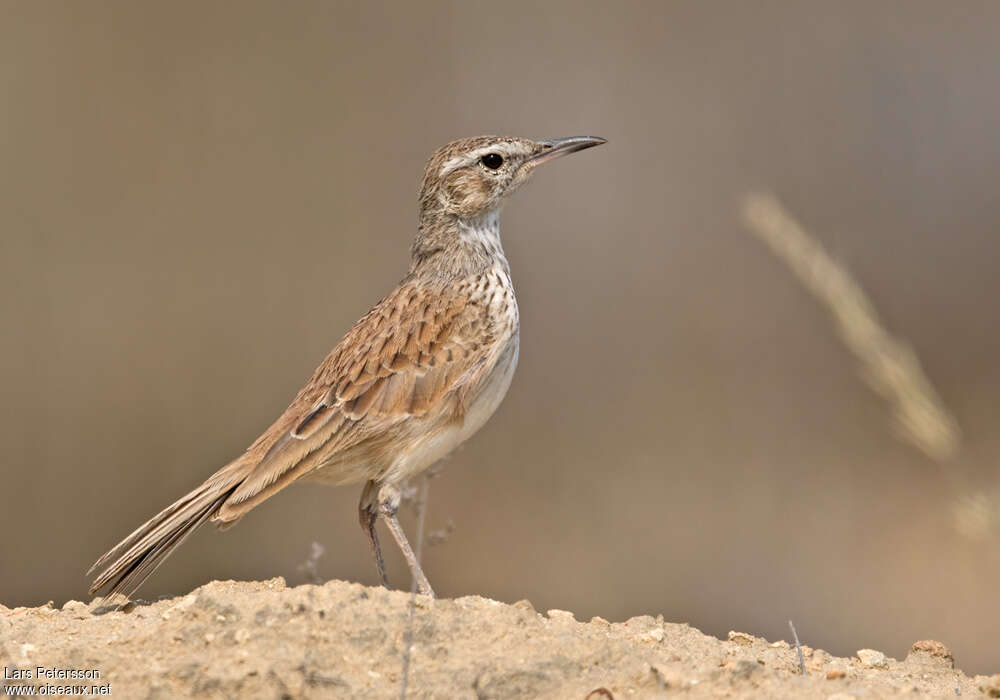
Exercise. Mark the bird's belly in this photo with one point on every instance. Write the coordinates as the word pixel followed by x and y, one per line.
pixel 436 444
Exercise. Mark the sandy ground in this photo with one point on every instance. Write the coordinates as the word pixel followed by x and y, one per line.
pixel 262 639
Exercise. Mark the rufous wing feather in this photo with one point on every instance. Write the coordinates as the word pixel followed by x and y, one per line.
pixel 397 363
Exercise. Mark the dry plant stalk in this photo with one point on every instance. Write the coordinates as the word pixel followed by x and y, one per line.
pixel 890 366
pixel 421 506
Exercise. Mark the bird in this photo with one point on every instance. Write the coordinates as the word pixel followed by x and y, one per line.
pixel 415 377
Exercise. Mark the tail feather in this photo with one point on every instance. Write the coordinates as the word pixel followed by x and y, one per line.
pixel 143 533
pixel 132 560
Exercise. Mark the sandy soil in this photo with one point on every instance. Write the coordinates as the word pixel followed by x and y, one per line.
pixel 263 639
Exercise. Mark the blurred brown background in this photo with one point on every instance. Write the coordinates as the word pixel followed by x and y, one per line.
pixel 198 199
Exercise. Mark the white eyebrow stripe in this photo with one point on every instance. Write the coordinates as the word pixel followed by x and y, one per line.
pixel 471 157
pixel 452 164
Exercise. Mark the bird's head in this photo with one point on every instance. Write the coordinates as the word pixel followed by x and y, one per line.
pixel 470 178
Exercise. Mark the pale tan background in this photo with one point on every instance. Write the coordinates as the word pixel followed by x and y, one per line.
pixel 198 199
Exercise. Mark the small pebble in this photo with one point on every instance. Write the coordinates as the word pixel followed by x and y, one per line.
pixel 562 615
pixel 654 635
pixel 524 604
pixel 872 658
pixel 930 651
pixel 741 638
pixel 989 685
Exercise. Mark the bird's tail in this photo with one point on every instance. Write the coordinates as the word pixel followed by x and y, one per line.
pixel 132 560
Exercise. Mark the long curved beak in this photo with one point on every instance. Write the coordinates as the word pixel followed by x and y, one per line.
pixel 554 148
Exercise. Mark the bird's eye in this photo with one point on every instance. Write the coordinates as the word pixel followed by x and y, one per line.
pixel 492 160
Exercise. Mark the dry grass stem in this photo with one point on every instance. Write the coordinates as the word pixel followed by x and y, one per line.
pixel 421 505
pixel 889 365
pixel 798 648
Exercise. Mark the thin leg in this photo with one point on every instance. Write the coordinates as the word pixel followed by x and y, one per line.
pixel 423 585
pixel 368 516
pixel 389 496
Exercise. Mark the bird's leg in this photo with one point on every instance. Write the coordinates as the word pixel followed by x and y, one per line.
pixel 388 503
pixel 368 516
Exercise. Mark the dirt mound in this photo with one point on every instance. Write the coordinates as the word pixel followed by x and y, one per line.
pixel 263 639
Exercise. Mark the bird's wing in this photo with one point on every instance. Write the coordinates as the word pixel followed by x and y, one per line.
pixel 419 351
pixel 416 352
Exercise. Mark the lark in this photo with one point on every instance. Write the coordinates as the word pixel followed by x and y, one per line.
pixel 414 378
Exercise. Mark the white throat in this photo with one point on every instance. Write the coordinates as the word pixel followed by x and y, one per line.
pixel 483 233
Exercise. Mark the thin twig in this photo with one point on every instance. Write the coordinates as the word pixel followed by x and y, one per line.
pixel 425 489
pixel 798 648
pixel 310 567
